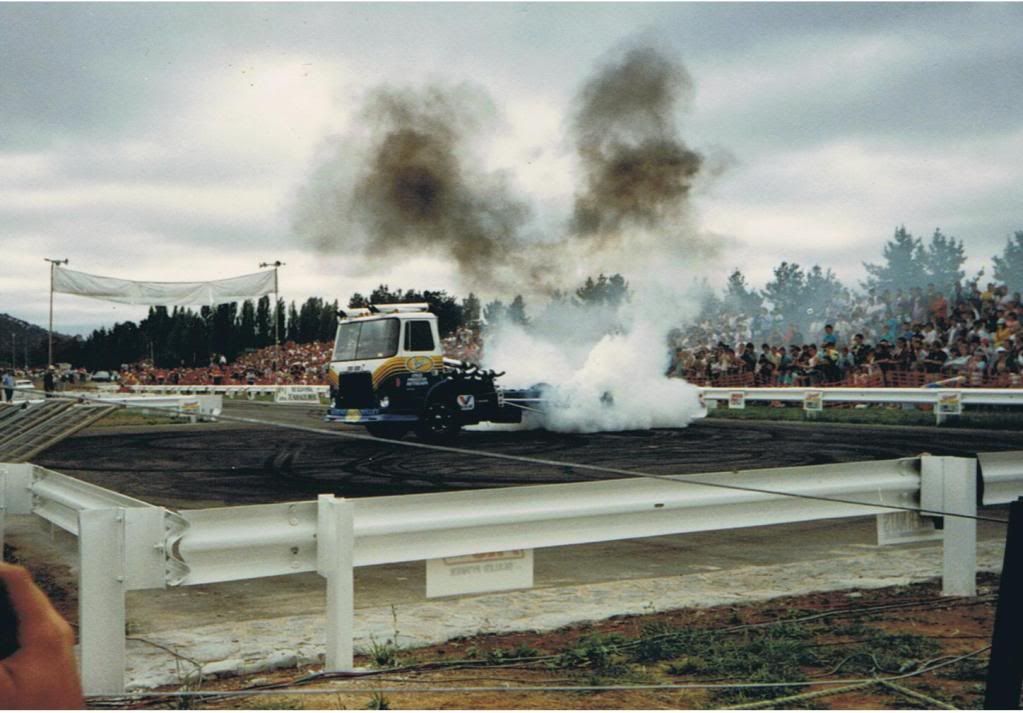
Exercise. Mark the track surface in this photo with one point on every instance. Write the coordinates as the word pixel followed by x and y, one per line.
pixel 206 466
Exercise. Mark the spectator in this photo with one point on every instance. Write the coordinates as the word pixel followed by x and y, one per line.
pixel 830 339
pixel 8 383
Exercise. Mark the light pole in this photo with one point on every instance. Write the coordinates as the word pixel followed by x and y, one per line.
pixel 53 264
pixel 14 364
pixel 276 264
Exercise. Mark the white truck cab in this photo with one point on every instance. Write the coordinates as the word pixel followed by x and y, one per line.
pixel 389 374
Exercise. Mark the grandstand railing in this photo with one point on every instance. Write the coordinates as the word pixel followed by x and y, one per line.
pixel 126 544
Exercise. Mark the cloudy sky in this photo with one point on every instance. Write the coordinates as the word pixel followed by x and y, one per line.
pixel 174 141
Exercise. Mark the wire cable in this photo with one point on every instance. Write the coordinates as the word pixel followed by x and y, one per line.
pixel 531 460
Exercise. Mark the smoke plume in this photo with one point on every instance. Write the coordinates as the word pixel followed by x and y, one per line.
pixel 416 187
pixel 637 171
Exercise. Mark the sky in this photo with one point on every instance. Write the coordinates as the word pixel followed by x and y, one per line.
pixel 177 141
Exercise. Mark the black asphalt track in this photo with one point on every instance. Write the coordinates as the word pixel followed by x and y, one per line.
pixel 206 466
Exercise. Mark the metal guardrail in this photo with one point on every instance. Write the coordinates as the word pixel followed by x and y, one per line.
pixel 988 397
pixel 944 401
pixel 128 544
pixel 229 390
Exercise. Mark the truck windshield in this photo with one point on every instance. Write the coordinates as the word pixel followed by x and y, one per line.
pixel 377 339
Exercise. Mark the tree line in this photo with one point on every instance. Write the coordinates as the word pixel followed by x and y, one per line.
pixel 183 337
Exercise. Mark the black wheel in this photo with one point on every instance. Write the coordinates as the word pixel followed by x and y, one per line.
pixel 438 422
pixel 385 429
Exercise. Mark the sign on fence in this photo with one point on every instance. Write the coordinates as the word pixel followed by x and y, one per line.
pixel 297 395
pixel 813 401
pixel 737 399
pixel 473 574
pixel 950 403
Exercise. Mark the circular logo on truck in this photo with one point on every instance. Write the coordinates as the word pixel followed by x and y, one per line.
pixel 419 363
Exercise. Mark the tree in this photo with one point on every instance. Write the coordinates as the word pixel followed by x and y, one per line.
pixel 223 339
pixel 264 322
pixel 739 297
pixel 494 312
pixel 471 309
pixel 604 290
pixel 308 320
pixel 943 259
pixel 903 265
pixel 294 324
pixel 823 291
pixel 517 311
pixel 785 291
pixel 1009 266
pixel 247 326
pixel 327 327
pixel 279 315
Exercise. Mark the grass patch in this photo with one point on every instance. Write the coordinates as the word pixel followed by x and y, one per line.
pixel 778 654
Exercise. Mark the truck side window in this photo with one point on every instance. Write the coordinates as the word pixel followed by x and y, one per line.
pixel 418 336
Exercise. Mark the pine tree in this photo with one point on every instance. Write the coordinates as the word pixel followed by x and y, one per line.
pixel 1009 266
pixel 903 265
pixel 943 259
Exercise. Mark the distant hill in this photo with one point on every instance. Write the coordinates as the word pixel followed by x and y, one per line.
pixel 22 333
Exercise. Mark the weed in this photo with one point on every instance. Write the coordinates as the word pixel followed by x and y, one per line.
pixel 600 653
pixel 378 702
pixel 385 654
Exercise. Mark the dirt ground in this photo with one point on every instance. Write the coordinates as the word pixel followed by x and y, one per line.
pixel 852 638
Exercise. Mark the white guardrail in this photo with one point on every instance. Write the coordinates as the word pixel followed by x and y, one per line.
pixel 126 544
pixel 282 393
pixel 945 402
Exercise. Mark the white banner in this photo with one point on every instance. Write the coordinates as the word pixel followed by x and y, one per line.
pixel 214 292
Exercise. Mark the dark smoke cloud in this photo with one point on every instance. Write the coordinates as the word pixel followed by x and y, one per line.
pixel 407 183
pixel 637 170
pixel 419 189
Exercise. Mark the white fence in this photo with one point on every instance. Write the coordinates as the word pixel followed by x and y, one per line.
pixel 946 402
pixel 126 544
pixel 232 391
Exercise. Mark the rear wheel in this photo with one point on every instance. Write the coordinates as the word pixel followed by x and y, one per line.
pixel 385 429
pixel 438 422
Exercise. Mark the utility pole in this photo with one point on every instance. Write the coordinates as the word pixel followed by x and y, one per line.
pixel 14 364
pixel 276 265
pixel 53 264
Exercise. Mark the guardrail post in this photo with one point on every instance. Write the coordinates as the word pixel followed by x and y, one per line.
pixel 101 606
pixel 335 538
pixel 949 485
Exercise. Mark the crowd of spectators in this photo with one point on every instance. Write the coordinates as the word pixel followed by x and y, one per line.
pixel 892 338
pixel 299 364
pixel 466 344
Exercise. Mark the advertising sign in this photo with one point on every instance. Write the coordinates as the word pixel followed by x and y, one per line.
pixel 486 572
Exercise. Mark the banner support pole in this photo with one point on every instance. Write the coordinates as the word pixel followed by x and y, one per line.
pixel 53 264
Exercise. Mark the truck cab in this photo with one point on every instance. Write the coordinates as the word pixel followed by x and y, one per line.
pixel 389 374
